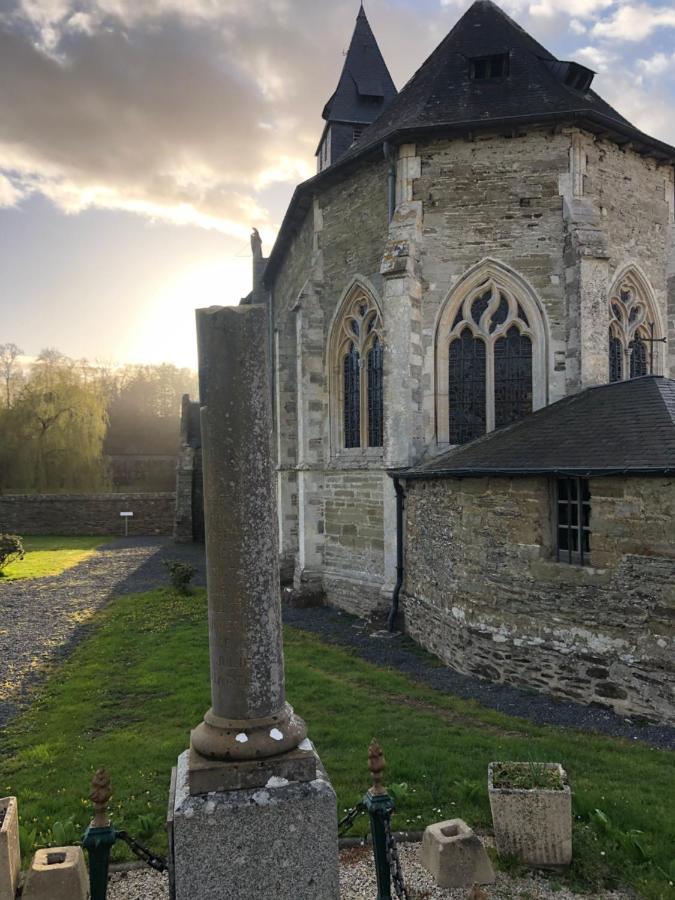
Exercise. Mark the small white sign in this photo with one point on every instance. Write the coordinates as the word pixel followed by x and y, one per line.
pixel 127 515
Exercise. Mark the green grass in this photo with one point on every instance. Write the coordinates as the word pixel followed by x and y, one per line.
pixel 51 556
pixel 128 696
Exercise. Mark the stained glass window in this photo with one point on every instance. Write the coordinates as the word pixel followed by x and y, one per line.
pixel 631 334
pixel 375 396
pixel 490 363
pixel 352 398
pixel 466 388
pixel 513 377
pixel 639 364
pixel 615 359
pixel 357 354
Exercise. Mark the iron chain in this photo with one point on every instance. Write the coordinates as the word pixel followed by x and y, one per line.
pixel 158 863
pixel 395 862
pixel 347 821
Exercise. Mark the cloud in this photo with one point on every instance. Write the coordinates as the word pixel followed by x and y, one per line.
pixel 658 64
pixel 635 22
pixel 596 58
pixel 9 194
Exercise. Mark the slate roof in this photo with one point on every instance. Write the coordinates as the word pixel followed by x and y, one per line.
pixel 623 428
pixel 441 95
pixel 364 77
pixel 441 99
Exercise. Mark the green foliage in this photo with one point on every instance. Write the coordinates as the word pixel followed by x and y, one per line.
pixel 11 550
pixel 526 776
pixel 180 574
pixel 65 834
pixel 52 436
pixel 128 694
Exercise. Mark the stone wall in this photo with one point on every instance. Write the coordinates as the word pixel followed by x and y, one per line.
pixel 558 213
pixel 87 514
pixel 484 592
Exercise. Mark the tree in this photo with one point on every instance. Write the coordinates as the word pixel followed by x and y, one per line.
pixel 58 424
pixel 9 369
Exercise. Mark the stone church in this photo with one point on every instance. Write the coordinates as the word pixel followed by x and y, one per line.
pixel 472 327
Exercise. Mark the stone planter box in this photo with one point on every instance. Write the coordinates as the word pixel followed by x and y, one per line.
pixel 10 853
pixel 533 824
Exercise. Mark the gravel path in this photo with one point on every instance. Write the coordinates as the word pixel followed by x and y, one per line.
pixel 42 619
pixel 357 882
pixel 395 651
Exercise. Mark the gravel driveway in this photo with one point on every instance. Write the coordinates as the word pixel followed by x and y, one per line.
pixel 41 619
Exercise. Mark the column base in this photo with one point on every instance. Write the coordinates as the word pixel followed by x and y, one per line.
pixel 277 841
pixel 208 775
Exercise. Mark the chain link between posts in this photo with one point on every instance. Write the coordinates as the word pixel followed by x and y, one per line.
pixel 348 820
pixel 158 863
pixel 394 861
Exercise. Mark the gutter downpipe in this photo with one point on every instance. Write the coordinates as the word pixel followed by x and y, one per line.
pixel 391 178
pixel 400 571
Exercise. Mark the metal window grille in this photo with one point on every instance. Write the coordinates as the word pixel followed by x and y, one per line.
pixel 375 396
pixel 513 377
pixel 466 388
pixel 573 520
pixel 615 359
pixel 352 398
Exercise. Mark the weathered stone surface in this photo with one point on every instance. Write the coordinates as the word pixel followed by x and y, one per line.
pixel 485 593
pixel 276 841
pixel 57 874
pixel 10 852
pixel 533 825
pixel 249 718
pixel 455 856
pixel 209 775
pixel 87 513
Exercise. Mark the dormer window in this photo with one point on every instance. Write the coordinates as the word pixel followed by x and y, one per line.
pixel 485 68
pixel 578 77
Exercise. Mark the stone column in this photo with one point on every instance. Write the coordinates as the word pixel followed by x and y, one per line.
pixel 249 720
pixel 251 813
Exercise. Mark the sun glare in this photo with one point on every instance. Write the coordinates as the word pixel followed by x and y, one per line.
pixel 166 331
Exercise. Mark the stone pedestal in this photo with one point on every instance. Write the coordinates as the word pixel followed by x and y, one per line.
pixel 10 854
pixel 276 841
pixel 455 856
pixel 57 874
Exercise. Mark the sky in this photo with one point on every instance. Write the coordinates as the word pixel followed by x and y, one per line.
pixel 140 140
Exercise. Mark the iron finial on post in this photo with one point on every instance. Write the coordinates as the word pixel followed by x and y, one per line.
pixel 377 764
pixel 100 795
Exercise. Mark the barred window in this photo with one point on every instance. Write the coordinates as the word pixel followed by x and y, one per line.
pixel 573 520
pixel 632 332
pixel 357 360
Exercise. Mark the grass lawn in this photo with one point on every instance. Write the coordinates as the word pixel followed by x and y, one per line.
pixel 128 696
pixel 51 556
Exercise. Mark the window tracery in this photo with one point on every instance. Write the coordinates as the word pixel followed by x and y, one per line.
pixel 631 330
pixel 490 362
pixel 357 356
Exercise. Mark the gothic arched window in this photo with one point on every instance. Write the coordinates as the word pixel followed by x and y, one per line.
pixel 490 363
pixel 357 361
pixel 632 329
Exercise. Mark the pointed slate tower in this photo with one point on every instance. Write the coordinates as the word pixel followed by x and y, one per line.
pixel 364 91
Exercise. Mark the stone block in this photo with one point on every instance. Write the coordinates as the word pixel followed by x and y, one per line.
pixel 455 856
pixel 207 776
pixel 10 854
pixel 278 841
pixel 58 873
pixel 533 825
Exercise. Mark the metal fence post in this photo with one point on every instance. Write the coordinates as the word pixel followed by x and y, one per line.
pixel 379 806
pixel 100 836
